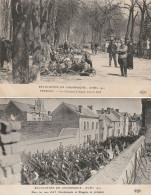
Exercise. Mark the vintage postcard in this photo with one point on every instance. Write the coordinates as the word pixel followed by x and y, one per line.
pixel 76 145
pixel 99 48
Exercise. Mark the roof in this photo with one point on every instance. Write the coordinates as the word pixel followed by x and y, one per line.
pixel 124 113
pixel 25 107
pixel 112 117
pixel 69 132
pixel 117 113
pixel 85 112
pixel 3 106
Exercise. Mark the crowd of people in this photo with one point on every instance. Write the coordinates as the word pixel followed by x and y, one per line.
pixel 72 164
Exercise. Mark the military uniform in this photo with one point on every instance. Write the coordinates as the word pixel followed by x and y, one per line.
pixel 122 59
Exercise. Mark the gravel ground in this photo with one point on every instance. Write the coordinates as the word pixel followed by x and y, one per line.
pixel 105 75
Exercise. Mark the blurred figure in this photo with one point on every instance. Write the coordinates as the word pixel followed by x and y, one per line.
pixel 96 45
pixel 106 45
pixel 130 55
pixel 92 47
pixel 86 58
pixel 66 47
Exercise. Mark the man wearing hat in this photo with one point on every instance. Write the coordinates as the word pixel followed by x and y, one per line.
pixel 112 50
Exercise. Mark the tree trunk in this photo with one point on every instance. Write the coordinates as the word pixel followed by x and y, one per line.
pixel 52 17
pixel 21 10
pixel 128 25
pixel 140 46
pixel 35 69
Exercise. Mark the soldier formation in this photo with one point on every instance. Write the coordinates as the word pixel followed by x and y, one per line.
pixel 72 164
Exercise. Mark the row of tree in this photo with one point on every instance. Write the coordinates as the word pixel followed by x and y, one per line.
pixel 38 22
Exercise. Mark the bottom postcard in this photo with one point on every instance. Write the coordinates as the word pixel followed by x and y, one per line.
pixel 75 146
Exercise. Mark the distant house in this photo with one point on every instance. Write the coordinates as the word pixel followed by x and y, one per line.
pixel 77 117
pixel 2 110
pixel 109 122
pixel 26 112
pixel 135 123
pixel 121 117
pixel 126 123
pixel 112 123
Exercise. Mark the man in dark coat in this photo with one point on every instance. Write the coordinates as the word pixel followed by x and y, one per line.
pixel 112 50
pixel 130 56
pixel 66 46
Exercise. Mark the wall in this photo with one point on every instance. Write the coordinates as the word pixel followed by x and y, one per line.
pixel 47 143
pixel 146 118
pixel 40 129
pixel 85 132
pixel 65 117
pixel 115 172
pixel 12 109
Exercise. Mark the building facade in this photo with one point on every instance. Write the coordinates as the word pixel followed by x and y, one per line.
pixel 26 112
pixel 82 118
pixel 146 119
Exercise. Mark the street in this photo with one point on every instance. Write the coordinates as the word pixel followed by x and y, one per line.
pixel 105 75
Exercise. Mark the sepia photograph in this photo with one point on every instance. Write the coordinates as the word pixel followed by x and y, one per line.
pixel 76 42
pixel 75 141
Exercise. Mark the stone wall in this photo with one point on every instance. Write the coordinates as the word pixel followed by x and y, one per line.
pixel 47 144
pixel 120 169
pixel 40 129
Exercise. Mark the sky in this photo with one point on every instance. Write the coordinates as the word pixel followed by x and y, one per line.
pixel 130 105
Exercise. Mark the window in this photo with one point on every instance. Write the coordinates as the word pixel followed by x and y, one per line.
pixel 92 125
pixel 88 138
pixel 119 132
pixel 84 125
pixel 96 137
pixel 107 132
pixel 84 138
pixel 96 125
pixel 87 125
pixel 112 132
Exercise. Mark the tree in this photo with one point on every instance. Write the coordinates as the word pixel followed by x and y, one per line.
pixel 21 14
pixel 37 39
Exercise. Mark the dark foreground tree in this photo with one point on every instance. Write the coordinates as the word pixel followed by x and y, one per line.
pixel 35 69
pixel 21 11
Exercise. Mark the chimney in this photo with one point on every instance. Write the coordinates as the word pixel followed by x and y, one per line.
pixel 108 110
pixel 80 108
pixel 102 111
pixel 117 110
pixel 49 113
pixel 90 107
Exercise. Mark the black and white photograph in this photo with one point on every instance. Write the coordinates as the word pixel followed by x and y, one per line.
pixel 75 141
pixel 95 42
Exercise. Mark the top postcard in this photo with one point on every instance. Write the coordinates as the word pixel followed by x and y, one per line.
pixel 79 48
